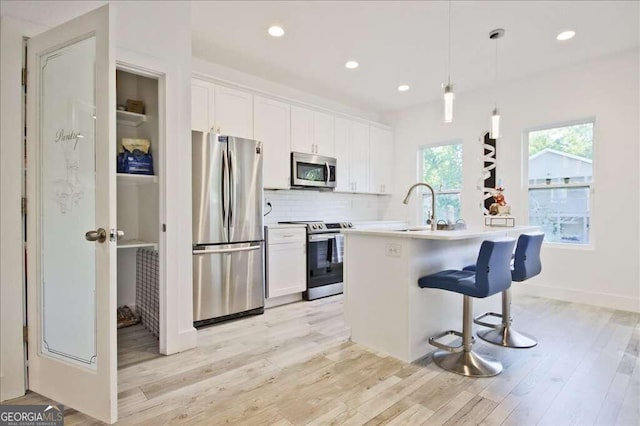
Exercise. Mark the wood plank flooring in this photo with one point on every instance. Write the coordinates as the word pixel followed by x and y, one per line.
pixel 294 365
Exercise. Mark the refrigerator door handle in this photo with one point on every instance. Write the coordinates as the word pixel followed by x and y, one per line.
pixel 223 191
pixel 229 250
pixel 232 189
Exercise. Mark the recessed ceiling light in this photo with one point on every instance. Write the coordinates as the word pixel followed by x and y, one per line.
pixel 276 31
pixel 352 65
pixel 403 88
pixel 565 35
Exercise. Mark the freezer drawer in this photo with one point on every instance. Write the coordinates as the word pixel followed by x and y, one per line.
pixel 227 279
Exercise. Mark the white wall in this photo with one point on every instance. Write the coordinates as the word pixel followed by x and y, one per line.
pixel 141 27
pixel 608 273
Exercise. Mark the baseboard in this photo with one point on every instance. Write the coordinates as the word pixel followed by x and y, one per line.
pixel 604 300
pixel 282 300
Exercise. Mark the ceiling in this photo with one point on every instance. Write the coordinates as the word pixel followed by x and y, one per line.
pixel 405 42
pixel 395 42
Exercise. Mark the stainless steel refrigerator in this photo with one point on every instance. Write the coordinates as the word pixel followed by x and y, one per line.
pixel 228 239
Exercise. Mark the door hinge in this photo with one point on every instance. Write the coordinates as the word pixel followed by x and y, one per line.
pixel 164 227
pixel 24 76
pixel 25 334
pixel 23 207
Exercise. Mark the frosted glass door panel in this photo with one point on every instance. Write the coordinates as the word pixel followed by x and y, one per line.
pixel 68 273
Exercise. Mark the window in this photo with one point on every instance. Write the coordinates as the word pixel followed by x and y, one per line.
pixel 560 181
pixel 442 169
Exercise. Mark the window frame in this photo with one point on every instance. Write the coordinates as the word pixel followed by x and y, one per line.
pixel 437 191
pixel 561 185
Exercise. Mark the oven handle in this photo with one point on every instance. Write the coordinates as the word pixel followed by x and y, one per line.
pixel 322 237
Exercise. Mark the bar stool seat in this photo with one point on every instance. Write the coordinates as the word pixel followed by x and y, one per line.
pixel 526 264
pixel 493 275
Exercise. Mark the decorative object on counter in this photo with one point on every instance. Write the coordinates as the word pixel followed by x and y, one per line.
pixel 495 115
pixel 500 220
pixel 499 206
pixel 448 88
pixel 448 226
pixel 487 180
pixel 432 219
pixel 121 108
pixel 135 157
pixel 135 106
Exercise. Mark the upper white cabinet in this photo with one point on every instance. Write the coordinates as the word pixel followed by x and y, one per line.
pixel 227 111
pixel 381 153
pixel 271 126
pixel 311 131
pixel 351 144
pixel 323 133
pixel 202 107
pixel 233 112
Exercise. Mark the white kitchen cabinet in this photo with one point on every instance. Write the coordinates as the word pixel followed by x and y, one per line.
pixel 233 112
pixel 271 126
pixel 323 133
pixel 225 110
pixel 302 130
pixel 359 155
pixel 202 108
pixel 342 148
pixel 311 131
pixel 286 261
pixel 351 143
pixel 381 153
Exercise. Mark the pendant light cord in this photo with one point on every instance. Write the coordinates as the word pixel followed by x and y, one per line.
pixel 449 49
pixel 496 90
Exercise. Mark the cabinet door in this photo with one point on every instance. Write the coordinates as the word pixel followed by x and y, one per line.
pixel 286 269
pixel 272 127
pixel 302 130
pixel 342 149
pixel 233 112
pixel 201 105
pixel 360 157
pixel 323 133
pixel 381 146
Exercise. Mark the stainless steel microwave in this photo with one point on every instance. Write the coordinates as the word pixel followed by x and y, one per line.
pixel 312 171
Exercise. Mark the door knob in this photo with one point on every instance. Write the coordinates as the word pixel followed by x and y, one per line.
pixel 116 234
pixel 99 235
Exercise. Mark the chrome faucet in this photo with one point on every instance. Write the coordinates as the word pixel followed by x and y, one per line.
pixel 432 219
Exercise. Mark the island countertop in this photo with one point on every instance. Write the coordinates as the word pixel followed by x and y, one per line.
pixel 424 232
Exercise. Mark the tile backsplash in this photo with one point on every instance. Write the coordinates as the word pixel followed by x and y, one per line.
pixel 320 205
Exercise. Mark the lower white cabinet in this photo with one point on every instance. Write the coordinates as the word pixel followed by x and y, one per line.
pixel 286 260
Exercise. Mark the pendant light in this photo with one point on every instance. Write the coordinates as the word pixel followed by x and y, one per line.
pixel 448 88
pixel 495 115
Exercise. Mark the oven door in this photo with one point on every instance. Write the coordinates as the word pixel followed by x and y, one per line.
pixel 312 171
pixel 324 259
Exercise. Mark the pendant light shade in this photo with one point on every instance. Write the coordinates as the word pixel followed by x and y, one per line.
pixel 495 124
pixel 495 115
pixel 448 88
pixel 448 103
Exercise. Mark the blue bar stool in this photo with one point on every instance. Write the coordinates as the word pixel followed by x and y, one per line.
pixel 493 276
pixel 526 264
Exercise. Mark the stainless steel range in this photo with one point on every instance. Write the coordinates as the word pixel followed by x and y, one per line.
pixel 325 251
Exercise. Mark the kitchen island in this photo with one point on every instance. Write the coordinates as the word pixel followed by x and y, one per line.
pixel 384 306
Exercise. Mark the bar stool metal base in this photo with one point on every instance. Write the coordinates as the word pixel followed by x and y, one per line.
pixel 468 364
pixel 507 337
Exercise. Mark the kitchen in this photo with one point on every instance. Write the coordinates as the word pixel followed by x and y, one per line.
pixel 575 275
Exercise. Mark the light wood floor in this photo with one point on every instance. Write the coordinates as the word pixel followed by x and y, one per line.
pixel 295 365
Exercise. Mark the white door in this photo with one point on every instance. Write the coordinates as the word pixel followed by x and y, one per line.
pixel 323 133
pixel 360 157
pixel 71 281
pixel 201 105
pixel 302 130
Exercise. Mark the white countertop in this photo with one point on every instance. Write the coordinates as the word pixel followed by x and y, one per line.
pixel 426 234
